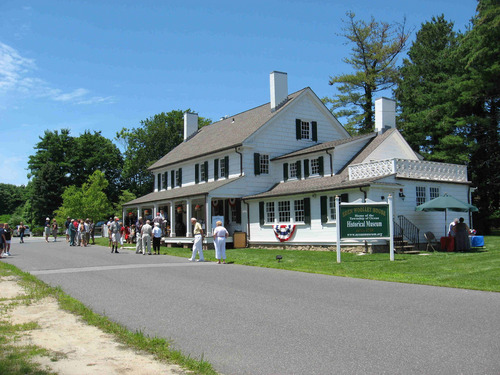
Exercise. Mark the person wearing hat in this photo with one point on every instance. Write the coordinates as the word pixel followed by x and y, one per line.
pixel 46 229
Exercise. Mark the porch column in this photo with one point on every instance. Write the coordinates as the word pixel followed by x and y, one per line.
pixel 208 219
pixel 155 210
pixel 172 219
pixel 188 218
pixel 138 212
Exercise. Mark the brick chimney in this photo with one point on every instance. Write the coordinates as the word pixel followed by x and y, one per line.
pixel 190 124
pixel 385 114
pixel 279 89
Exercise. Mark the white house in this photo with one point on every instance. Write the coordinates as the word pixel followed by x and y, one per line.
pixel 283 163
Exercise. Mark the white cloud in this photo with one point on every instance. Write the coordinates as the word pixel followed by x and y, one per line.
pixel 13 67
pixel 75 94
pixel 17 74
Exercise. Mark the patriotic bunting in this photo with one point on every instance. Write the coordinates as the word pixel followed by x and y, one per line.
pixel 283 232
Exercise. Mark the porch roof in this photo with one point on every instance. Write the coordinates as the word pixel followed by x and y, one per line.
pixel 182 192
pixel 312 185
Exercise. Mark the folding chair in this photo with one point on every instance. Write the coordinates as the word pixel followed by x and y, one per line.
pixel 431 241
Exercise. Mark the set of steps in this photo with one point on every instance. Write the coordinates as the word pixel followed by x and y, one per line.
pixel 403 247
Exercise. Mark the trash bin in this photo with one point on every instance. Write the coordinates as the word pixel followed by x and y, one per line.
pixel 239 240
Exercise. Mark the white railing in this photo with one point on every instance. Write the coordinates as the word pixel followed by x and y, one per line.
pixel 426 170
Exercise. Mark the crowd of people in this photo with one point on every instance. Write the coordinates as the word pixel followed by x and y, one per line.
pixel 146 234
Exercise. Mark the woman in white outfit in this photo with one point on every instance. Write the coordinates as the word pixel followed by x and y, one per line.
pixel 220 235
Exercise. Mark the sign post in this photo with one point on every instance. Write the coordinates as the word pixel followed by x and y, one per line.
pixel 365 221
pixel 337 215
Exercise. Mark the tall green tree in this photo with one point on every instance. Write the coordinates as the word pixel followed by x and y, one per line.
pixel 93 152
pixel 62 160
pixel 11 198
pixel 376 46
pixel 479 89
pixel 153 139
pixel 46 193
pixel 89 201
pixel 427 94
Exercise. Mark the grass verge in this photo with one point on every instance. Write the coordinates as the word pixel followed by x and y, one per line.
pixel 477 269
pixel 16 360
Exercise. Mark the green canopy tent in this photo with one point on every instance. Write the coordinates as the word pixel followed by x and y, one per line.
pixel 446 203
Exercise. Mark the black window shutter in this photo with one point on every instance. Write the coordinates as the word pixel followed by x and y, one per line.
pixel 166 180
pixel 306 168
pixel 206 171
pixel 216 169
pixel 321 166
pixel 307 210
pixel 238 210
pixel 261 213
pixel 158 176
pixel 344 197
pixel 285 171
pixel 298 130
pixel 324 209
pixel 299 170
pixel 180 176
pixel 226 165
pixel 315 131
pixel 196 173
pixel 256 163
pixel 172 178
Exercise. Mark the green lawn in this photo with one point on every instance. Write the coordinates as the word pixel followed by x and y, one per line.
pixel 478 269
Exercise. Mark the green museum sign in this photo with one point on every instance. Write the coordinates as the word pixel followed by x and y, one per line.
pixel 364 221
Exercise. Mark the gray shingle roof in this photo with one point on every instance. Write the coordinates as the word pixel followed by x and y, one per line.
pixel 197 189
pixel 224 134
pixel 324 146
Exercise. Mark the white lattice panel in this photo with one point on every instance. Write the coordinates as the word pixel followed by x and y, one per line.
pixel 425 170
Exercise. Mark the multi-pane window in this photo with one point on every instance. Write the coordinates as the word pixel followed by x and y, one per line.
pixel 178 177
pixel 433 192
pixel 270 212
pixel 420 195
pixel 203 172
pixel 284 211
pixel 298 207
pixel 264 164
pixel 293 170
pixel 222 165
pixel 331 208
pixel 314 166
pixel 163 182
pixel 305 129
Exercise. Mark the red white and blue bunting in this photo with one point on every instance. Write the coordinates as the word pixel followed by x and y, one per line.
pixel 283 232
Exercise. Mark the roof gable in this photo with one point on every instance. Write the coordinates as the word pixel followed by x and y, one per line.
pixel 225 134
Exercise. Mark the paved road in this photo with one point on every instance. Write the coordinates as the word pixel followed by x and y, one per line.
pixel 247 320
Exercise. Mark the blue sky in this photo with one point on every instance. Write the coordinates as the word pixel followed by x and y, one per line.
pixel 106 65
